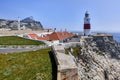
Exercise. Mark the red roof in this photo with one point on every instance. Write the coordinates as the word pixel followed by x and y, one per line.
pixel 53 36
pixel 60 35
pixel 46 37
pixel 33 36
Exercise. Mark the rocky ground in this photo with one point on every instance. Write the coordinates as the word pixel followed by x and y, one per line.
pixel 28 22
pixel 99 60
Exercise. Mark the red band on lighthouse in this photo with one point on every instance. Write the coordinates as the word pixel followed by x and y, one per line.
pixel 86 26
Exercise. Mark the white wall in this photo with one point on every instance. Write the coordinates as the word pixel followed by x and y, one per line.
pixel 87 32
pixel 55 42
pixel 43 34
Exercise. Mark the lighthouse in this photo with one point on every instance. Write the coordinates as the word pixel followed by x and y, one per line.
pixel 18 23
pixel 86 24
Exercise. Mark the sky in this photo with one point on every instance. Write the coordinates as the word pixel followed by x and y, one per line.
pixel 65 14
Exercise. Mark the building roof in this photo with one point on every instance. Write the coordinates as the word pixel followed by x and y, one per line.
pixel 33 36
pixel 60 35
pixel 53 36
pixel 46 37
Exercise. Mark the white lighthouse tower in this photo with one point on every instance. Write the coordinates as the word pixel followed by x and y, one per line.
pixel 18 23
pixel 86 24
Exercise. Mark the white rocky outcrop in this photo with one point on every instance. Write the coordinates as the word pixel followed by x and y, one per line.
pixel 99 60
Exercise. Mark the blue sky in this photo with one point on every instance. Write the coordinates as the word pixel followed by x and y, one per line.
pixel 69 14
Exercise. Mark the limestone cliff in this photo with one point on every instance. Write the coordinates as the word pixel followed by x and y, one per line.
pixel 28 22
pixel 98 58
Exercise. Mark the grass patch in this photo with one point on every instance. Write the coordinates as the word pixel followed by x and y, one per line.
pixel 32 65
pixel 15 40
pixel 76 50
pixel 66 51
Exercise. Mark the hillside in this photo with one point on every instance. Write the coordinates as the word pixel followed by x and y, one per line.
pixel 28 22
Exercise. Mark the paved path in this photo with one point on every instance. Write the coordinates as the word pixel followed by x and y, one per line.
pixel 9 50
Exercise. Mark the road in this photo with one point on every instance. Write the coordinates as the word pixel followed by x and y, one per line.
pixel 10 50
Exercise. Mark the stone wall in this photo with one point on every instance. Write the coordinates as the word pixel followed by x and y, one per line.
pixel 66 67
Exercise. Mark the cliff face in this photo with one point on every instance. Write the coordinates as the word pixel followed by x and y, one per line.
pixel 99 59
pixel 28 22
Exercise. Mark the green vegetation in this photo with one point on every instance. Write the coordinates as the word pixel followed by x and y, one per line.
pixel 66 51
pixel 15 40
pixel 32 65
pixel 76 50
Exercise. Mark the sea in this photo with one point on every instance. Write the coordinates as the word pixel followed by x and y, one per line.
pixel 116 36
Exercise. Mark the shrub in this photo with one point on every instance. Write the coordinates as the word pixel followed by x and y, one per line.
pixel 76 51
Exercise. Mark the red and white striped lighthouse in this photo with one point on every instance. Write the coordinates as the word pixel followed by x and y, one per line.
pixel 87 24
